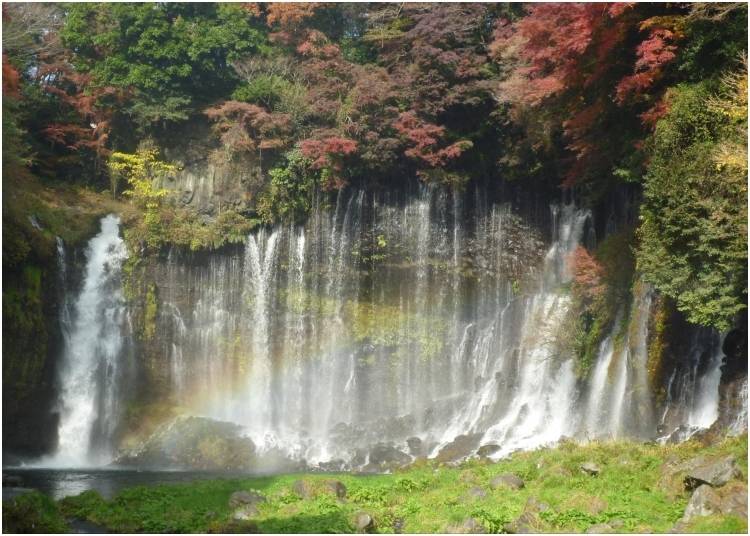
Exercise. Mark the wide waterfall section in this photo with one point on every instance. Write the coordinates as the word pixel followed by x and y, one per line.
pixel 94 328
pixel 388 317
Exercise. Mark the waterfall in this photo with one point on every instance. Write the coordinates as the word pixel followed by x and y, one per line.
pixel 692 394
pixel 382 319
pixel 89 376
pixel 386 317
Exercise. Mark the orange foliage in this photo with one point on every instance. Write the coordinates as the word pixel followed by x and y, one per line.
pixel 11 79
pixel 289 15
pixel 588 275
pixel 247 127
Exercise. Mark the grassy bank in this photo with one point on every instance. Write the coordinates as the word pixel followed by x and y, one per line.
pixel 637 490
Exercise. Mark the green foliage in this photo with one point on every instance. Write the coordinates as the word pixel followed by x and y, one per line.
pixel 185 228
pixel 590 318
pixel 288 194
pixel 266 89
pixel 32 513
pixel 170 56
pixel 430 498
pixel 693 230
pixel 717 524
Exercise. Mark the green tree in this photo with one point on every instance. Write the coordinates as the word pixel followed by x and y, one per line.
pixel 173 57
pixel 693 234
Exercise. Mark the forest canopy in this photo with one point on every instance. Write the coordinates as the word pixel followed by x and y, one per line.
pixel 586 98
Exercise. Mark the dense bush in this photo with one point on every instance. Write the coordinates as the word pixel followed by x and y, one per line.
pixel 694 217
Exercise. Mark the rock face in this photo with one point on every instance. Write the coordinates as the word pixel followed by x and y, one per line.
pixel 508 480
pixel 715 473
pixel 461 447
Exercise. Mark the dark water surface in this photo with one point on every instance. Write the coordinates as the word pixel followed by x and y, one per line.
pixel 59 483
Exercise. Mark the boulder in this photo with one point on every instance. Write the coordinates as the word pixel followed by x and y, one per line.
pixel 387 456
pixel 461 447
pixel 590 468
pixel 715 473
pixel 526 523
pixel 336 487
pixel 303 488
pixel 245 512
pixel 507 480
pixel 363 522
pixel 596 506
pixel 193 443
pixel 470 525
pixel 734 499
pixel 704 502
pixel 242 498
pixel 534 505
pixel 487 450
pixel 477 493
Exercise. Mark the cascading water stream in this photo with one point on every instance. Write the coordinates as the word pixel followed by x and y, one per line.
pixel 385 319
pixel 89 378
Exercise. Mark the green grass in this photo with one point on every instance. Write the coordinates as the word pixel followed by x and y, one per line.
pixel 32 512
pixel 430 498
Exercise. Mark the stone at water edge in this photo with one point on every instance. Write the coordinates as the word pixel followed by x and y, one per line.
pixel 508 480
pixel 363 522
pixel 590 468
pixel 715 473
